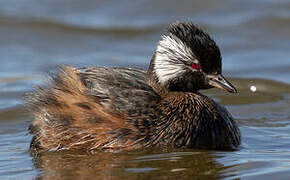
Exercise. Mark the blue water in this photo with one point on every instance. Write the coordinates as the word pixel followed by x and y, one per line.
pixel 253 35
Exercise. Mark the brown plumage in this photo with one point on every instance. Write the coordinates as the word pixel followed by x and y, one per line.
pixel 113 109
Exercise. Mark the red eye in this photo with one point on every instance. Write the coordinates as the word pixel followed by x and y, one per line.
pixel 195 66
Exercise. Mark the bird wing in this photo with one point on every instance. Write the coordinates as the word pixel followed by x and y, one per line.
pixel 119 89
pixel 91 108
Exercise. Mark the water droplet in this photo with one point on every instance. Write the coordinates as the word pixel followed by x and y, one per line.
pixel 253 88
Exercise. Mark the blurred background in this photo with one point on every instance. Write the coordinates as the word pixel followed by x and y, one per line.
pixel 36 35
pixel 254 38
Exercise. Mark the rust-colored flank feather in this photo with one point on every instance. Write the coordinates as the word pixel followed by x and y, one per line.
pixel 113 109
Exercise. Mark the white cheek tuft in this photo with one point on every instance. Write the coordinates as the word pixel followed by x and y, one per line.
pixel 170 56
pixel 166 70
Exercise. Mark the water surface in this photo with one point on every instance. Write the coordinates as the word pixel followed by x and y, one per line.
pixel 254 37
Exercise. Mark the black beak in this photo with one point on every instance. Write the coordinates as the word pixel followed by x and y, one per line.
pixel 220 82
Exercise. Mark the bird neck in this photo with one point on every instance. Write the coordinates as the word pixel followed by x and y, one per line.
pixel 152 79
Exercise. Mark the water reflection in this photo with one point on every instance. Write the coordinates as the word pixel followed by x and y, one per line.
pixel 130 165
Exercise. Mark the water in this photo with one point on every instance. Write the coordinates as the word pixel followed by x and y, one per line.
pixel 254 37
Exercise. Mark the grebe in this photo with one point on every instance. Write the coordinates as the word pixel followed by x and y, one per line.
pixel 118 108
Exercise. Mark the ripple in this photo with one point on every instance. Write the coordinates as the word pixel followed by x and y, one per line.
pixel 90 29
pixel 266 91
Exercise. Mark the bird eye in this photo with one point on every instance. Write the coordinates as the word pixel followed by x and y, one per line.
pixel 195 66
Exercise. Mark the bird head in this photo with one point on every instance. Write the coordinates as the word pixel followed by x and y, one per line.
pixel 188 59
